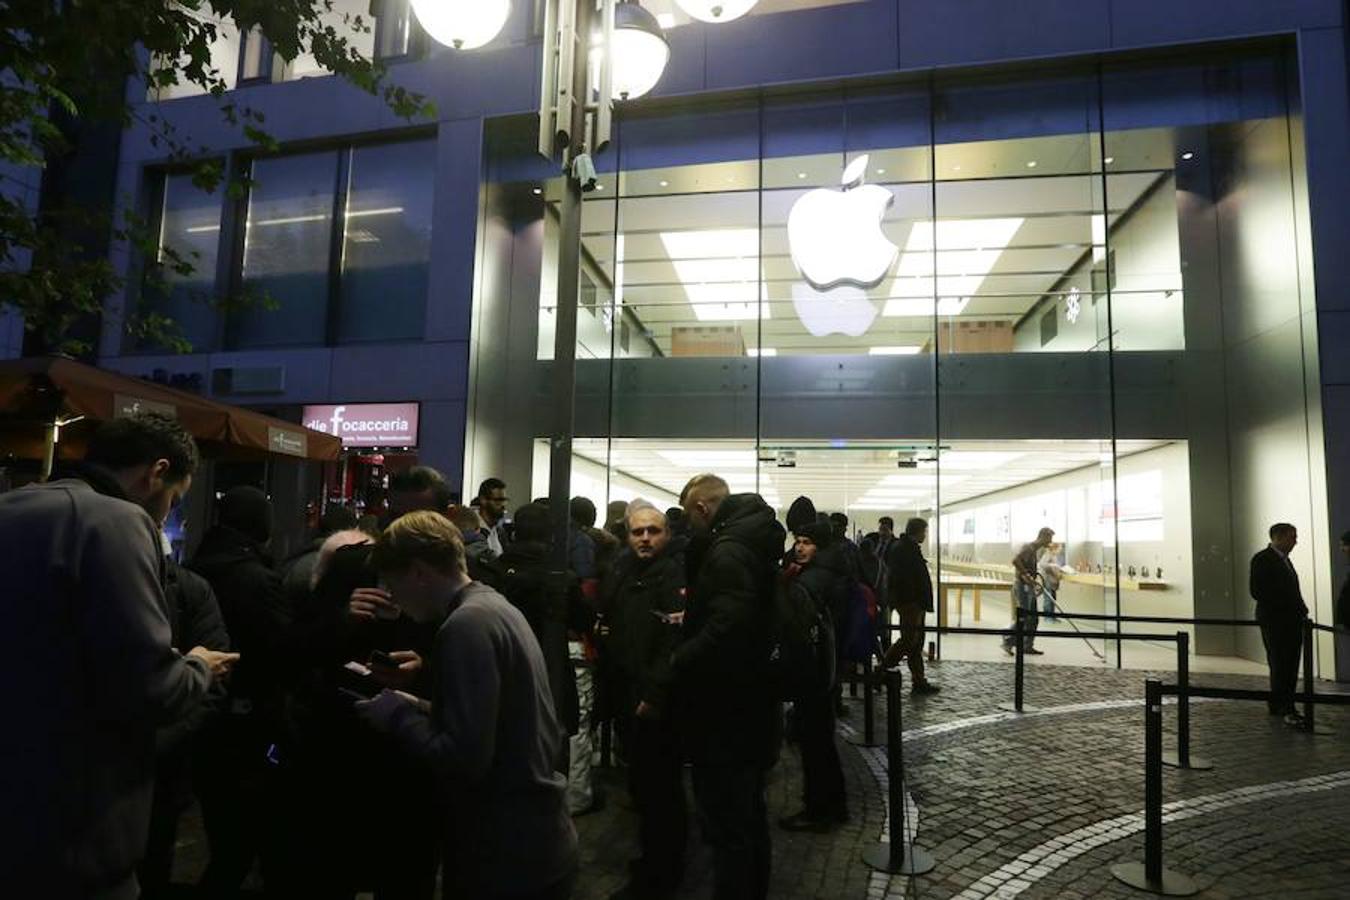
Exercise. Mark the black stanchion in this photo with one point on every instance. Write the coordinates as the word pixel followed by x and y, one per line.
pixel 1019 666
pixel 897 856
pixel 1150 874
pixel 1310 725
pixel 606 743
pixel 1182 758
pixel 868 738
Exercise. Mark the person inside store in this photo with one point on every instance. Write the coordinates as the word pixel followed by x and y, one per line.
pixel 818 563
pixel 642 608
pixel 1026 592
pixel 730 717
pixel 910 586
pixel 1052 574
pixel 85 608
pixel 489 731
pixel 492 504
pixel 1281 612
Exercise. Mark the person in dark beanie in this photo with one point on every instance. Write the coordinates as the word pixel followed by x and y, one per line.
pixel 84 608
pixel 238 779
pixel 818 564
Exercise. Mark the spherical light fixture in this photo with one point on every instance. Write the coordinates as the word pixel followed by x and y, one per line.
pixel 462 24
pixel 716 10
pixel 640 51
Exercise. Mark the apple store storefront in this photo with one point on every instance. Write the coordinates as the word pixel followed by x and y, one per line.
pixel 1075 297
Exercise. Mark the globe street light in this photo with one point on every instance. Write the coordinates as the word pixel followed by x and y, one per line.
pixel 640 51
pixel 462 24
pixel 716 10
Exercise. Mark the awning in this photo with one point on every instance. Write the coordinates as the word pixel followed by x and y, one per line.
pixel 38 392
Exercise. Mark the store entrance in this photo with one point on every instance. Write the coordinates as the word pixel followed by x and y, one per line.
pixel 1121 519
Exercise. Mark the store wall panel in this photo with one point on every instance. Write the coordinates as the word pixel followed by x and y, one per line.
pixel 965 31
pixel 1151 22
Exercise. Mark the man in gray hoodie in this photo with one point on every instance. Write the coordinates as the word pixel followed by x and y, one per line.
pixel 489 733
pixel 83 605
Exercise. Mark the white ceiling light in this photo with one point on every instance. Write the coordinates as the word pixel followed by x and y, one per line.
pixel 1098 237
pixel 893 351
pixel 462 24
pixel 710 460
pixel 967 251
pixel 719 271
pixel 972 460
pixel 640 51
pixel 716 10
pixel 762 351
pixel 835 237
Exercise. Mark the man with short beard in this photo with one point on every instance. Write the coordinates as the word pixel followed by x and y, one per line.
pixel 84 606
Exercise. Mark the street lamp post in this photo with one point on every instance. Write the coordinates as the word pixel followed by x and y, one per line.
pixel 572 124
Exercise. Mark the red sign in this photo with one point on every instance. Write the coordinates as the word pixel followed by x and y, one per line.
pixel 366 424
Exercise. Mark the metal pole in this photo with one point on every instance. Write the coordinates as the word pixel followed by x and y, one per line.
pixel 564 369
pixel 1310 683
pixel 1153 780
pixel 1182 758
pixel 1019 666
pixel 868 738
pixel 898 855
pixel 1151 876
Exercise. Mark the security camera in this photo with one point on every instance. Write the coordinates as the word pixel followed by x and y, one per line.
pixel 583 170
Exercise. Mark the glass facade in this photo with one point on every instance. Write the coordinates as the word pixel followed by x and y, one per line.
pixel 189 229
pixel 1067 298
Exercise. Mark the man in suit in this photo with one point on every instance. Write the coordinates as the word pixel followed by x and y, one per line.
pixel 1281 611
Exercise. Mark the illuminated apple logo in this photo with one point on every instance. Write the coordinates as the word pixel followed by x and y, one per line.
pixel 835 237
pixel 841 310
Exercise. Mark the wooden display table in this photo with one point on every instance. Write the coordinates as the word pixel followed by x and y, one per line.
pixel 961 582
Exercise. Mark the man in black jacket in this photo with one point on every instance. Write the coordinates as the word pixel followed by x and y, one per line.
pixel 1281 611
pixel 238 781
pixel 732 721
pixel 819 564
pixel 910 593
pixel 642 609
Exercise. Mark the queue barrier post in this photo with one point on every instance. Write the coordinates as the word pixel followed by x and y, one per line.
pixel 868 738
pixel 1150 875
pixel 1310 684
pixel 1182 758
pixel 899 855
pixel 1019 664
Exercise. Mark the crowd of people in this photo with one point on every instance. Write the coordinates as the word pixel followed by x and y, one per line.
pixel 414 701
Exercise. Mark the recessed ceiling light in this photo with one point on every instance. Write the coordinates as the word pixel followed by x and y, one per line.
pixel 665 184
pixel 956 168
pixel 1110 159
pixel 1188 155
pixel 881 171
pixel 801 174
pixel 537 191
pixel 599 187
pixel 1031 164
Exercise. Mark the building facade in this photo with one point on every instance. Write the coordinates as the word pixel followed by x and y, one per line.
pixel 1090 277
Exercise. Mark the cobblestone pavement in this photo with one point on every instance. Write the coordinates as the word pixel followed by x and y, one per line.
pixel 997 792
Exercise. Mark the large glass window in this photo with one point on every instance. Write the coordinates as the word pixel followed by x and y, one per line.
pixel 1064 298
pixel 189 232
pixel 337 246
pixel 386 243
pixel 287 248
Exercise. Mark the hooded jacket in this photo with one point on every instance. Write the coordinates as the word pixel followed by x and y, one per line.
pixel 253 602
pixel 84 607
pixel 720 668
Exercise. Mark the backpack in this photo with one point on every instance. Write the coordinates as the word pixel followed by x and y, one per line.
pixel 859 630
pixel 801 655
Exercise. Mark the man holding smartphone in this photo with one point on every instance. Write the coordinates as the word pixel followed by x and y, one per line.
pixel 489 733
